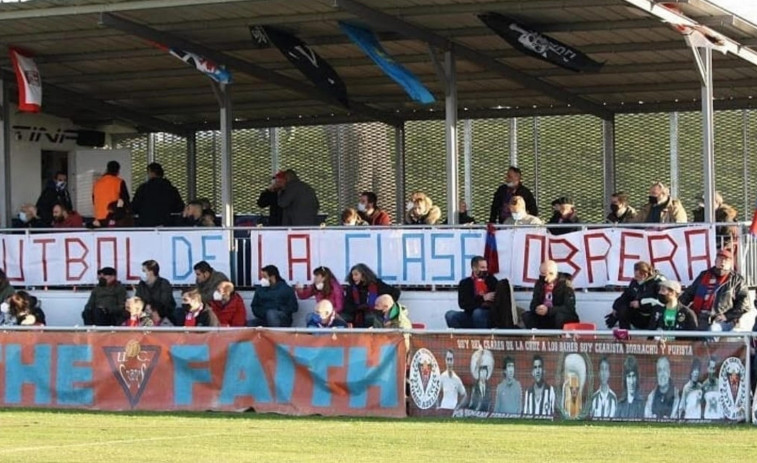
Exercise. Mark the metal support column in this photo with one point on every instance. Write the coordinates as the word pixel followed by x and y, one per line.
pixel 399 153
pixel 468 162
pixel 703 59
pixel 513 141
pixel 224 100
pixel 608 160
pixel 6 206
pixel 191 166
pixel 151 147
pixel 273 136
pixel 536 159
pixel 450 135
pixel 674 154
pixel 745 137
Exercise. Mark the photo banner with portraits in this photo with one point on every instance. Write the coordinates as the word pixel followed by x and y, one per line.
pixel 578 379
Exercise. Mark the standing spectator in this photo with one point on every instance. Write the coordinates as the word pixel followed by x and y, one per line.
pixel 106 304
pixel 554 302
pixel 65 218
pixel 475 295
pixel 109 189
pixel 635 307
pixel 671 315
pixel 207 280
pixel 728 235
pixel 156 292
pixel 500 209
pixel 119 216
pixel 620 211
pixel 228 306
pixel 325 286
pixel 5 287
pixel 324 316
pixel 720 297
pixel 269 198
pixel 274 301
pixel 298 202
pixel 661 208
pixel 565 213
pixel 360 301
pixel 196 312
pixel 518 214
pixel 421 210
pixel 370 212
pixel 138 314
pixel 351 218
pixel 55 192
pixel 156 199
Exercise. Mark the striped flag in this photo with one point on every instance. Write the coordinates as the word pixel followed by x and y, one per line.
pixel 490 250
pixel 29 81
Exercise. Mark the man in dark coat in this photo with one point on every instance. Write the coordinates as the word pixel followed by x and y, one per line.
pixel 554 301
pixel 500 209
pixel 475 296
pixel 156 199
pixel 298 202
pixel 55 192
pixel 270 198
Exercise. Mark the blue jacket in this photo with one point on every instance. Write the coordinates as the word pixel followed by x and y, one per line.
pixel 277 297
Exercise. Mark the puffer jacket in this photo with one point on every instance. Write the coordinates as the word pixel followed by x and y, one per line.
pixel 636 291
pixel 731 298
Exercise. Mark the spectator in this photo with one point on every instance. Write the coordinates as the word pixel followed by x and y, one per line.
pixel 298 202
pixel 620 211
pixel 394 314
pixel 518 214
pixel 157 320
pixel 55 192
pixel 28 217
pixel 207 280
pixel 196 312
pixel 108 189
pixel 192 215
pixel 728 235
pixel 509 396
pixel 274 301
pixel 661 208
pixel 500 209
pixel 631 403
pixel 539 399
pixel 475 296
pixel 350 218
pixel 208 218
pixel 662 402
pixel 462 216
pixel 65 218
pixel 18 311
pixel 370 212
pixel 671 315
pixel 5 287
pixel 421 211
pixel 720 298
pixel 269 198
pixel 324 316
pixel 228 306
pixel 156 199
pixel 635 307
pixel 119 216
pixel 35 306
pixel 554 301
pixel 156 293
pixel 139 315
pixel 106 304
pixel 565 213
pixel 360 301
pixel 325 286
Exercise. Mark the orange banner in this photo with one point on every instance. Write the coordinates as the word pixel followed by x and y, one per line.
pixel 298 374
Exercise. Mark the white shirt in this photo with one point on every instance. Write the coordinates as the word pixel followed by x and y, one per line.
pixel 452 389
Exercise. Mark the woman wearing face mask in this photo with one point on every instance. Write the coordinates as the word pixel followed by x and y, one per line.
pixel 360 301
pixel 421 211
pixel 274 301
pixel 228 305
pixel 325 286
pixel 157 292
pixel 196 313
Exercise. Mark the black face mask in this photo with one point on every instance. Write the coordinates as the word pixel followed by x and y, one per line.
pixel 482 274
pixel 664 299
pixel 614 208
pixel 653 200
pixel 186 307
pixel 102 282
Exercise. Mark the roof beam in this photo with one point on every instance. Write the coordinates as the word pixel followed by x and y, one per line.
pixel 383 20
pixel 246 67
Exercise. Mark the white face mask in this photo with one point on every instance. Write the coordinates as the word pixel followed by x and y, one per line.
pixel 22 217
pixel 5 307
pixel 351 223
pixel 60 185
pixel 361 207
pixel 511 184
pixel 409 206
pixel 516 215
pixel 145 278
pixel 264 282
pixel 319 286
pixel 217 296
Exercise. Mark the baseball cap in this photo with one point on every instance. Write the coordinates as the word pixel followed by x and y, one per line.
pixel 278 175
pixel 107 271
pixel 671 285
pixel 725 253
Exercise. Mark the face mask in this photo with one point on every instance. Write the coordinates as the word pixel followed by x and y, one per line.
pixel 664 299
pixel 516 215
pixel 701 205
pixel 482 274
pixel 511 184
pixel 5 307
pixel 22 216
pixel 614 208
pixel 186 307
pixel 351 223
pixel 653 200
pixel 102 282
pixel 361 207
pixel 60 185
pixel 319 286
pixel 217 296
pixel 409 206
pixel 264 282
pixel 144 277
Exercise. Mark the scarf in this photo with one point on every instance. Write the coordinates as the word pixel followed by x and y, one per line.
pixel 133 321
pixel 479 285
pixel 392 313
pixel 371 295
pixel 190 319
pixel 705 294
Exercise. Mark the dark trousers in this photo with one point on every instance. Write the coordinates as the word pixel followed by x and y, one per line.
pixel 477 319
pixel 273 319
pixel 629 318
pixel 101 317
pixel 547 322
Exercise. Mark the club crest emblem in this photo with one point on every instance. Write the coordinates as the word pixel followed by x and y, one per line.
pixel 425 382
pixel 732 387
pixel 132 366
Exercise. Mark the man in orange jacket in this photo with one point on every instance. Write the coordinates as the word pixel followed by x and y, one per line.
pixel 109 188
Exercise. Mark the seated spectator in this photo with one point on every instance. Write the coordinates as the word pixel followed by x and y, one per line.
pixel 274 301
pixel 156 293
pixel 207 280
pixel 635 307
pixel 28 218
pixel 196 312
pixel 462 216
pixel 138 314
pixel 475 296
pixel 369 212
pixel 55 192
pixel 671 314
pixel 324 316
pixel 518 214
pixel 661 208
pixel 157 320
pixel 325 286
pixel 64 218
pixel 18 311
pixel 208 218
pixel 106 303
pixel 513 186
pixel 5 287
pixel 270 198
pixel 35 306
pixel 620 211
pixel 554 302
pixel 360 301
pixel 720 298
pixel 351 218
pixel 727 235
pixel 394 314
pixel 119 216
pixel 192 215
pixel 421 211
pixel 565 213
pixel 228 306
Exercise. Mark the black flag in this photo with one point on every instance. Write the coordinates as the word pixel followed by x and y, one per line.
pixel 304 58
pixel 534 43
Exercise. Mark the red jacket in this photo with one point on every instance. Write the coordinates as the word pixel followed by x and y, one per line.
pixel 336 297
pixel 74 220
pixel 379 217
pixel 233 313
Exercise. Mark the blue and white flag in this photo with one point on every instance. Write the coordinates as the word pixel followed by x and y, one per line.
pixel 367 41
pixel 207 67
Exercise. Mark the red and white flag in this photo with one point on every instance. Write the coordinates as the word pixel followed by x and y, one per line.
pixel 29 81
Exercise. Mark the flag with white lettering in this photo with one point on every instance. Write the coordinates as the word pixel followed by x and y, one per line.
pixel 29 81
